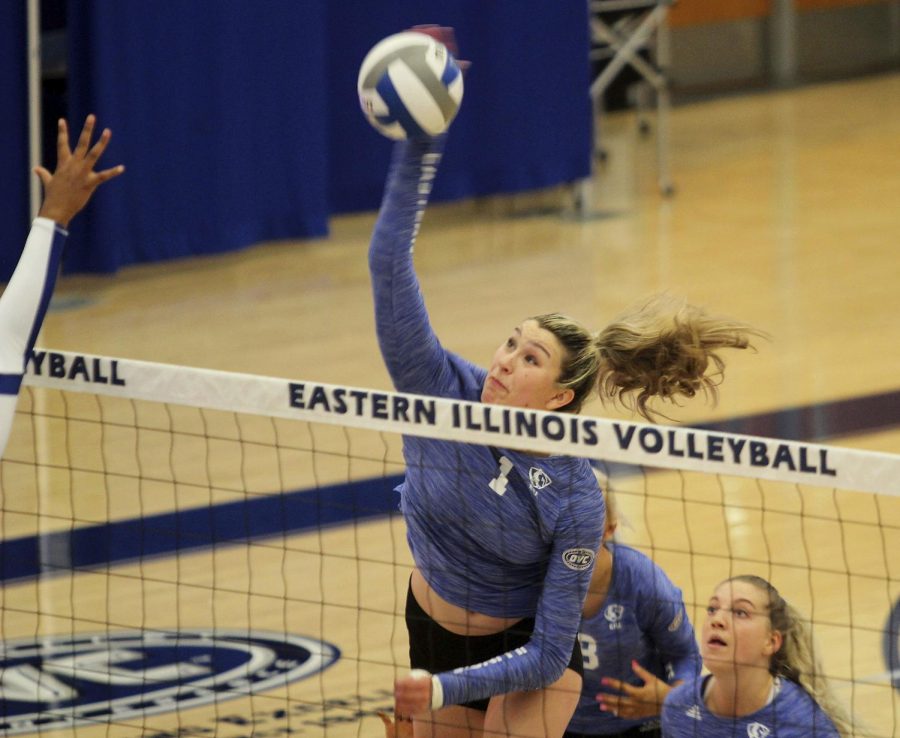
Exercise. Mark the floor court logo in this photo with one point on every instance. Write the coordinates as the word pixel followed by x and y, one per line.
pixel 53 682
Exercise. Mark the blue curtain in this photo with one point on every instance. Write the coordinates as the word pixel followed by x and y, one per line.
pixel 525 120
pixel 15 182
pixel 216 110
pixel 238 120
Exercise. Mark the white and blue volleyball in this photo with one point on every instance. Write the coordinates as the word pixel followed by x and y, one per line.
pixel 410 86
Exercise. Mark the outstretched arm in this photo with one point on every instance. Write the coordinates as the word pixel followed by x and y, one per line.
pixel 411 351
pixel 24 302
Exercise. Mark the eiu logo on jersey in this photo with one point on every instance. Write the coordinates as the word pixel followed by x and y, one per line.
pixel 578 559
pixel 613 614
pixel 694 712
pixel 538 479
pixel 55 682
pixel 757 730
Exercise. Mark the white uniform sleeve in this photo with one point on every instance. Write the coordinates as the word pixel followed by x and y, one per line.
pixel 22 308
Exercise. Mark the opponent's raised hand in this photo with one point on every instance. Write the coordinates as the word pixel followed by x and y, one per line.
pixel 68 189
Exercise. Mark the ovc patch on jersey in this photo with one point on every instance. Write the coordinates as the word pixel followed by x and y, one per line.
pixel 53 682
pixel 676 622
pixel 578 559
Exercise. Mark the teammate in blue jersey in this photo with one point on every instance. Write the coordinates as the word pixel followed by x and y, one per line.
pixel 636 639
pixel 25 299
pixel 764 678
pixel 504 541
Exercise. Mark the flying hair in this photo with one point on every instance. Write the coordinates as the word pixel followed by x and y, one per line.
pixel 662 348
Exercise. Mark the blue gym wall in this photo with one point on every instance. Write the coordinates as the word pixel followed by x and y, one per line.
pixel 14 184
pixel 238 120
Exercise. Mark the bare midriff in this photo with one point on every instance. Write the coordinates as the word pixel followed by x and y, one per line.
pixel 454 618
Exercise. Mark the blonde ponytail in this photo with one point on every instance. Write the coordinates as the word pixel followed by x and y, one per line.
pixel 666 348
pixel 797 659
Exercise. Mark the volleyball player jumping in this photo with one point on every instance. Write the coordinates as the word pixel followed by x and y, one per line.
pixel 503 541
pixel 25 299
pixel 499 536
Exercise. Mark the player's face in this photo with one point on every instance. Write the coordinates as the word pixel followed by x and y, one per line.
pixel 737 632
pixel 524 370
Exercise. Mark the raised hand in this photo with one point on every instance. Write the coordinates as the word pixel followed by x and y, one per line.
pixel 69 188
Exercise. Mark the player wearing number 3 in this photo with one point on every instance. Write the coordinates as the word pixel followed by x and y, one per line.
pixel 637 643
pixel 503 541
pixel 27 295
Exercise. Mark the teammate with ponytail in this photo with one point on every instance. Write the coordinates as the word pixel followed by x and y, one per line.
pixel 765 678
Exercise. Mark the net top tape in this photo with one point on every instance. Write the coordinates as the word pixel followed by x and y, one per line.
pixel 634 443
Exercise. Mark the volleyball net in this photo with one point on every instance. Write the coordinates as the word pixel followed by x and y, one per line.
pixel 192 552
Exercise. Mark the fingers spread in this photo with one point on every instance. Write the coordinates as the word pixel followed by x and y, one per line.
pixel 84 139
pixel 98 148
pixel 619 685
pixel 62 141
pixel 642 672
pixel 44 175
pixel 108 174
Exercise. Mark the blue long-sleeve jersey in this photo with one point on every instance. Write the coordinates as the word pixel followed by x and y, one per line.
pixel 22 307
pixel 495 531
pixel 791 714
pixel 642 619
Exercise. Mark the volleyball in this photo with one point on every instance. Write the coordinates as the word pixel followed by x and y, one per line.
pixel 409 86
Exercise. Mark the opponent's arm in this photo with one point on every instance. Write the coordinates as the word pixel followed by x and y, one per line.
pixel 25 299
